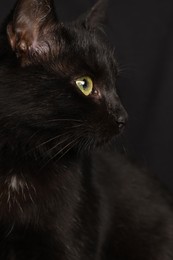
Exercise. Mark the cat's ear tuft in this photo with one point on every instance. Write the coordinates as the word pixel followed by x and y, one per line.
pixel 96 17
pixel 30 29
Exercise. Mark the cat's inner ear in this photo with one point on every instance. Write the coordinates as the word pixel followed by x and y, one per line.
pixel 96 17
pixel 30 30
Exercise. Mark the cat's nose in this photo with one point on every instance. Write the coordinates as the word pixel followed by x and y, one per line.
pixel 121 123
pixel 122 119
pixel 117 113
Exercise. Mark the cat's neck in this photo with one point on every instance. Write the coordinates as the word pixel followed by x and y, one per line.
pixel 33 162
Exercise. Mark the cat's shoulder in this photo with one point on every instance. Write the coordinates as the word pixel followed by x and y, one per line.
pixel 130 185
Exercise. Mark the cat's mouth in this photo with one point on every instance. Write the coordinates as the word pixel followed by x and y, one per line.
pixel 105 135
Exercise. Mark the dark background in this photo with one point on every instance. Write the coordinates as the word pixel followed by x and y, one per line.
pixel 142 32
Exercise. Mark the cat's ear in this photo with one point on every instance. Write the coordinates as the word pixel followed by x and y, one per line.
pixel 31 27
pixel 96 17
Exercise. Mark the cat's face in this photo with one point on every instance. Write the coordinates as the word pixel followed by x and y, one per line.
pixel 60 80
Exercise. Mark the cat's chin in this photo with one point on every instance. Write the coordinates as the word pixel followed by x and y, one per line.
pixel 105 143
pixel 99 144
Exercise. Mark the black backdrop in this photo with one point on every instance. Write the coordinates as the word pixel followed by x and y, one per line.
pixel 142 32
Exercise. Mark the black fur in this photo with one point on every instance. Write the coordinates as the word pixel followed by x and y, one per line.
pixel 60 198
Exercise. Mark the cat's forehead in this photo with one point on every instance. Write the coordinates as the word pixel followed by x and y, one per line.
pixel 85 50
pixel 89 41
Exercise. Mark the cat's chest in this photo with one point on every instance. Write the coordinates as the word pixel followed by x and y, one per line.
pixel 39 198
pixel 18 197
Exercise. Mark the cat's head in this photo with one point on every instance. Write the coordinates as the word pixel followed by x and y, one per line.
pixel 58 81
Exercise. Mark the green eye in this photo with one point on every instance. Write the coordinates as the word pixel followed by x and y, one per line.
pixel 85 84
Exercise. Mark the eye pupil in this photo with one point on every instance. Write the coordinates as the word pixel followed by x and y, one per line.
pixel 84 83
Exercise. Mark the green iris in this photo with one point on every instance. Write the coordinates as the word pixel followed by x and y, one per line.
pixel 85 84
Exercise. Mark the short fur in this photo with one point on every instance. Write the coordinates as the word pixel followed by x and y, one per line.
pixel 60 198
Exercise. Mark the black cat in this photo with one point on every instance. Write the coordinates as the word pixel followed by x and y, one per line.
pixel 59 198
